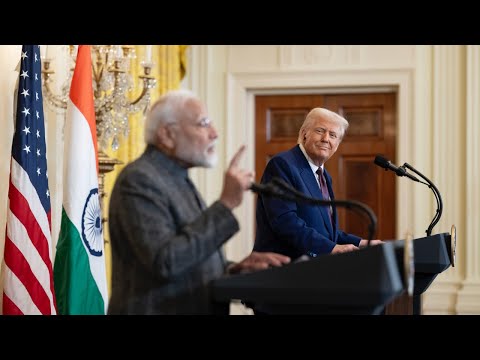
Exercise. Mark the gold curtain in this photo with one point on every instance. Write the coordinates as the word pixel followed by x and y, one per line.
pixel 168 69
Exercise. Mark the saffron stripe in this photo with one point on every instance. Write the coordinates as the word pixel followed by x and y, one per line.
pixel 81 92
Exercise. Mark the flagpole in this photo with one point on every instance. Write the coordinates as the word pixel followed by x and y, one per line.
pixel 106 164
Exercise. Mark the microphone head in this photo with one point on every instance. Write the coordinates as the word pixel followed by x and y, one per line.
pixel 381 161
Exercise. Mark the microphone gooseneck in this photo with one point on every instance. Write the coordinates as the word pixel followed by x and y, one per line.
pixel 438 197
pixel 280 189
pixel 401 171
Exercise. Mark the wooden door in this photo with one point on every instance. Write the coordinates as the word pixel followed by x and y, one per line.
pixel 278 119
pixel 355 177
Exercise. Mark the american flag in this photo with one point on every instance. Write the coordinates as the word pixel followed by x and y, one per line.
pixel 27 266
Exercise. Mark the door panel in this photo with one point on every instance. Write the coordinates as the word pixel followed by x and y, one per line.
pixel 371 132
pixel 278 119
pixel 355 177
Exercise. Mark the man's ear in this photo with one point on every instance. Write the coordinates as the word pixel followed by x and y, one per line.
pixel 166 137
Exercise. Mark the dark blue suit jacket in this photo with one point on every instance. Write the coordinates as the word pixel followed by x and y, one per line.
pixel 295 229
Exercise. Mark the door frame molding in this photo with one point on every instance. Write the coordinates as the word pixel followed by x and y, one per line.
pixel 240 126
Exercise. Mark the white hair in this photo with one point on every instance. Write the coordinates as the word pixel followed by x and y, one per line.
pixel 323 113
pixel 165 111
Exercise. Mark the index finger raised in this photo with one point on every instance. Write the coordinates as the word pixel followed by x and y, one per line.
pixel 236 158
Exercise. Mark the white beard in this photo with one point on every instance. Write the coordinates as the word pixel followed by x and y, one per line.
pixel 202 159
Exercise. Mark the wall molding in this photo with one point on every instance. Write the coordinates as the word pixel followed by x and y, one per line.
pixel 469 295
pixel 240 127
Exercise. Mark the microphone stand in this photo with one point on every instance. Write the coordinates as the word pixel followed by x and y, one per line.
pixel 417 300
pixel 438 198
pixel 280 189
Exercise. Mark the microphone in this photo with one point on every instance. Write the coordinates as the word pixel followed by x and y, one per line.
pixel 280 189
pixel 266 189
pixel 401 171
pixel 387 165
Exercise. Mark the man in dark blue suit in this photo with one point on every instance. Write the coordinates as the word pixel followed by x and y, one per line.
pixel 296 229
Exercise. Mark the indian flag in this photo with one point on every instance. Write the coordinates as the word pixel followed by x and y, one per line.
pixel 79 268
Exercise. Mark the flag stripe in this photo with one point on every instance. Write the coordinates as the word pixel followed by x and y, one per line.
pixel 79 270
pixel 25 211
pixel 80 174
pixel 9 306
pixel 20 180
pixel 26 265
pixel 20 207
pixel 78 285
pixel 81 92
pixel 18 235
pixel 29 295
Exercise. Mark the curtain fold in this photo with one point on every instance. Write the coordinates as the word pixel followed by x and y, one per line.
pixel 169 69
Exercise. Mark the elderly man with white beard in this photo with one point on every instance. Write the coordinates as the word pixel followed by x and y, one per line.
pixel 166 243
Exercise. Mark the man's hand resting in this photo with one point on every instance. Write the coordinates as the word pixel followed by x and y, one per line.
pixel 258 261
pixel 364 242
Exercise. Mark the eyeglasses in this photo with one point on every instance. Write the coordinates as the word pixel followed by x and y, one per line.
pixel 204 123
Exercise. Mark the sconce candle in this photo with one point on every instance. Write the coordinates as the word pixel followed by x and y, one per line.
pixel 148 54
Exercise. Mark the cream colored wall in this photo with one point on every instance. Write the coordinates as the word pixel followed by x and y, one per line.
pixel 438 122
pixel 438 127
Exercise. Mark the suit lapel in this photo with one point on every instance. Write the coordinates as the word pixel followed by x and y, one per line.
pixel 311 183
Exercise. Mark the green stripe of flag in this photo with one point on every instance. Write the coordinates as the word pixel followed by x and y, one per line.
pixel 72 269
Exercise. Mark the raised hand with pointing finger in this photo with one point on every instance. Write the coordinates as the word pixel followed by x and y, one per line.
pixel 236 182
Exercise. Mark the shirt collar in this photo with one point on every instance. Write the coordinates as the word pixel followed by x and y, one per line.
pixel 165 162
pixel 310 161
